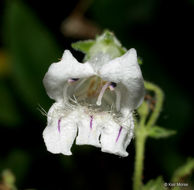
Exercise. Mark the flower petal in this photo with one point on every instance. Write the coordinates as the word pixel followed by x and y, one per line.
pixel 58 73
pixel 113 139
pixel 126 71
pixel 68 134
pixel 52 138
pixel 88 131
pixel 61 130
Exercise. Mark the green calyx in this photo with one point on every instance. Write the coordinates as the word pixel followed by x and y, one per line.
pixel 106 43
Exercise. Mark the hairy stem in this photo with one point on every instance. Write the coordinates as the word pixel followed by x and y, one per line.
pixel 141 132
pixel 139 157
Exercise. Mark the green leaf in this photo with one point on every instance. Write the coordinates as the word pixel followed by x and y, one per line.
pixel 155 184
pixel 159 132
pixel 184 171
pixel 32 49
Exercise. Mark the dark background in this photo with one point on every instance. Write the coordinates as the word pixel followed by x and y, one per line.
pixel 31 39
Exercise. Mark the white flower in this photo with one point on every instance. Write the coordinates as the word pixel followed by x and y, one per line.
pixel 94 102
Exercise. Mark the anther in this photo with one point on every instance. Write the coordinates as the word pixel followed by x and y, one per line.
pixel 112 86
pixel 71 80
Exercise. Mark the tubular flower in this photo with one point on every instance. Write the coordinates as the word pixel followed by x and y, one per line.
pixel 94 102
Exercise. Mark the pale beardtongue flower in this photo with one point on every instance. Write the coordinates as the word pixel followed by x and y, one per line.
pixel 94 104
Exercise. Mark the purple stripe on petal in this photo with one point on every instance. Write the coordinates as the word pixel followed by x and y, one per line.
pixel 59 125
pixel 119 133
pixel 91 120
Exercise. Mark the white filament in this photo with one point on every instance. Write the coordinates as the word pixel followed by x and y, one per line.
pixel 102 93
pixel 118 99
pixel 65 92
pixel 79 84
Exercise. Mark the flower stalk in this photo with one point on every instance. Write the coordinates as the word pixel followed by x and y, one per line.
pixel 142 129
pixel 139 156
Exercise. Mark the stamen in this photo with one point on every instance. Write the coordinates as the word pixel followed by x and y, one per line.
pixel 59 125
pixel 79 84
pixel 102 93
pixel 91 120
pixel 112 86
pixel 72 80
pixel 119 133
pixel 118 99
pixel 65 92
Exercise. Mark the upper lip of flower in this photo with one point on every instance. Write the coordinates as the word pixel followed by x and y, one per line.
pixel 123 72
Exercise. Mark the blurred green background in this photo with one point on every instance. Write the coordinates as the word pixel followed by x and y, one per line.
pixel 33 34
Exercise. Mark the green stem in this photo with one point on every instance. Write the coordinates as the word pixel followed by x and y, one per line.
pixel 141 132
pixel 139 157
pixel 159 101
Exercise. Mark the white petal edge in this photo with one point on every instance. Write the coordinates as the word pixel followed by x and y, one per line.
pixel 58 73
pixel 61 130
pixel 126 70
